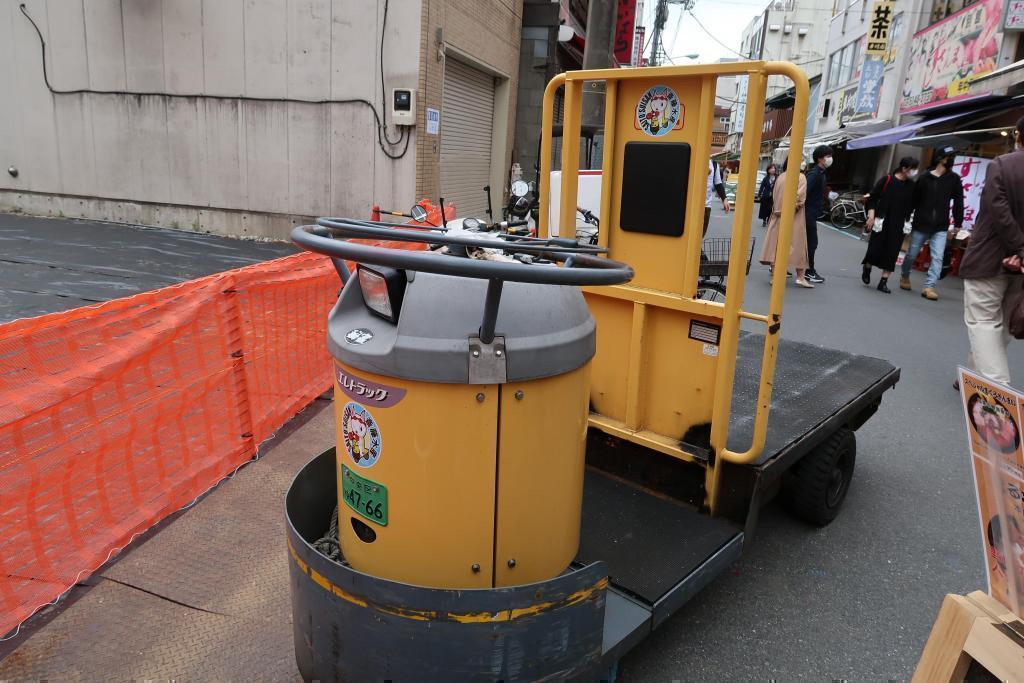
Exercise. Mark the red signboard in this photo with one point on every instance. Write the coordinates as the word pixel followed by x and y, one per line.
pixel 624 25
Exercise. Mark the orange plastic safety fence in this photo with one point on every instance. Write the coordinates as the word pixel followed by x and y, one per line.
pixel 114 416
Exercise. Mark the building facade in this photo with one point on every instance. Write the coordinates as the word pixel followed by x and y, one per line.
pixel 788 31
pixel 246 118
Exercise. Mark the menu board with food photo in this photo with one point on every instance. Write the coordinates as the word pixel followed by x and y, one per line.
pixel 993 416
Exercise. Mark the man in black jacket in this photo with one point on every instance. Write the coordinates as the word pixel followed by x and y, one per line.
pixel 817 185
pixel 932 197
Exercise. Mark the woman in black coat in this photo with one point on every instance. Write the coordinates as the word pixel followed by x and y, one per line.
pixel 889 206
pixel 765 196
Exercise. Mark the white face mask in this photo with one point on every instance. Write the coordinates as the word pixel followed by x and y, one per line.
pixel 803 165
pixel 911 173
pixel 828 161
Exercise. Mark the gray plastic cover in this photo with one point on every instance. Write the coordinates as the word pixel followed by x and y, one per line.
pixel 548 330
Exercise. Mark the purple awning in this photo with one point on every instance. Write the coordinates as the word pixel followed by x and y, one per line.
pixel 896 134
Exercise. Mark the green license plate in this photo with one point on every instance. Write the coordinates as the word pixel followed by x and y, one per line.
pixel 367 498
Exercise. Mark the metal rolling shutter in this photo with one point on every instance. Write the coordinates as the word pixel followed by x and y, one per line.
pixel 466 124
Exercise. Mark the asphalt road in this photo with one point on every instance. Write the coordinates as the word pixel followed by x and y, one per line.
pixel 855 600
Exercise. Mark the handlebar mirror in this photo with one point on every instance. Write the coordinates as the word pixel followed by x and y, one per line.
pixel 472 224
pixel 418 213
pixel 519 189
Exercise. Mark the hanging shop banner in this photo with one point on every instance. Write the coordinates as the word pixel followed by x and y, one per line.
pixel 625 34
pixel 882 17
pixel 993 417
pixel 1014 16
pixel 947 56
pixel 972 170
pixel 638 45
pixel 870 85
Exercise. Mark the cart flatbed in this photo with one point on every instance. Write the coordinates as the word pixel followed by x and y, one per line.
pixel 661 551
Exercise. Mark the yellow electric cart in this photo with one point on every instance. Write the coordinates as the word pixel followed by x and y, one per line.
pixel 544 452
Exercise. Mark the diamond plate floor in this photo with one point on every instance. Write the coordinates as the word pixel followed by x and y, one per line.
pixel 206 598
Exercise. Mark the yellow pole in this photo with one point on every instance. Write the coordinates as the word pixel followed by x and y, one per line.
pixel 544 184
pixel 570 158
pixel 611 99
pixel 723 399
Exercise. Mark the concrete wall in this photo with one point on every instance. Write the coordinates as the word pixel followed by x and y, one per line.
pixel 217 164
pixel 484 34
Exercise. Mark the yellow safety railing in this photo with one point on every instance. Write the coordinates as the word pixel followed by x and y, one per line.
pixel 731 313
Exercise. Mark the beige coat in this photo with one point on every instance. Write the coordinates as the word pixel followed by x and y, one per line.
pixel 798 250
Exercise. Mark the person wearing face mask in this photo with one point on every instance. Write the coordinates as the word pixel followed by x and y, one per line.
pixel 889 207
pixel 765 195
pixel 817 186
pixel 933 194
pixel 992 266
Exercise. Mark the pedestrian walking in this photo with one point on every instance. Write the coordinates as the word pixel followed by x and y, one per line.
pixel 765 195
pixel 990 288
pixel 889 206
pixel 817 187
pixel 798 246
pixel 933 195
pixel 715 186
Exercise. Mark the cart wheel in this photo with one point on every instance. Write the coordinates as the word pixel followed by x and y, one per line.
pixel 711 291
pixel 818 484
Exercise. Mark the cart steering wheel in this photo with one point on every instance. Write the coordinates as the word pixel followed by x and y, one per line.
pixel 581 264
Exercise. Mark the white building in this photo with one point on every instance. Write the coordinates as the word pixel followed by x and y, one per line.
pixel 788 31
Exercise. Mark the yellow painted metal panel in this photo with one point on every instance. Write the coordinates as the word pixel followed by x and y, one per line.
pixel 437 461
pixel 609 371
pixel 540 476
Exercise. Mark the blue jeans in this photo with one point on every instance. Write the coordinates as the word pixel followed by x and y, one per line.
pixel 937 246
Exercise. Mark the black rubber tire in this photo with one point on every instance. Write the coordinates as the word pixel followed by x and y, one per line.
pixel 817 485
pixel 711 291
pixel 840 217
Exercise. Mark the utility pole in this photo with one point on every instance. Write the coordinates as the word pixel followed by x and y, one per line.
pixel 660 17
pixel 598 53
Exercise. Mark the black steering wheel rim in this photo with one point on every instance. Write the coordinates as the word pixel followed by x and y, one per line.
pixel 581 267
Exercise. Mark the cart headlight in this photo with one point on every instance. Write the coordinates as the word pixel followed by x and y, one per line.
pixel 383 290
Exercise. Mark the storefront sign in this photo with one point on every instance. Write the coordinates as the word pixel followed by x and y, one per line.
pixel 870 86
pixel 993 416
pixel 946 57
pixel 625 24
pixel 638 45
pixel 972 170
pixel 1014 16
pixel 882 17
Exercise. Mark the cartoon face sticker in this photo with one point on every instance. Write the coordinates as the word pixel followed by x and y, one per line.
pixel 361 435
pixel 658 111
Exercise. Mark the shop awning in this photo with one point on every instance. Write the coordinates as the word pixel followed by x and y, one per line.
pixel 897 134
pixel 830 138
pixel 1009 75
pixel 974 136
pixel 912 131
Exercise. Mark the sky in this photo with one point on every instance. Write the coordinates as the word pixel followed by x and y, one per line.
pixel 724 19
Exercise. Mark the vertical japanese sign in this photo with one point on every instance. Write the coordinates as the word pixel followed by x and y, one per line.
pixel 625 25
pixel 882 17
pixel 972 171
pixel 1014 16
pixel 870 86
pixel 993 415
pixel 875 48
pixel 638 46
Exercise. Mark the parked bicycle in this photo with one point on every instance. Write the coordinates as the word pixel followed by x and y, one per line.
pixel 714 267
pixel 848 210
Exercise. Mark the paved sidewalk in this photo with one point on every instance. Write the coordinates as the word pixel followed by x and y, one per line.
pixel 206 598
